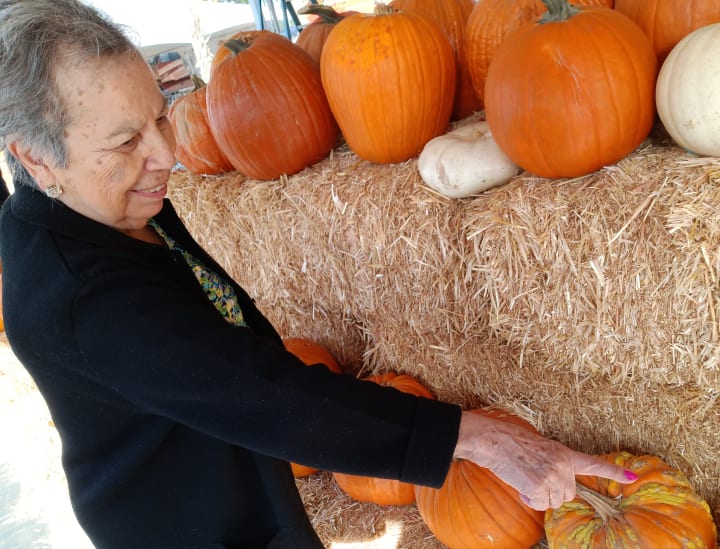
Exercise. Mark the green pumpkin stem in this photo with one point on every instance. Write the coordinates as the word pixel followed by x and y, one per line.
pixel 558 11
pixel 327 14
pixel 605 507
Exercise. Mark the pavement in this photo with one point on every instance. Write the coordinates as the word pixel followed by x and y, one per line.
pixel 35 510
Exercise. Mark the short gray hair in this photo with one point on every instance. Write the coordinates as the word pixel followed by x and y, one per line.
pixel 35 36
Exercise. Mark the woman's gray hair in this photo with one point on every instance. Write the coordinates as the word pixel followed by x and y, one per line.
pixel 35 36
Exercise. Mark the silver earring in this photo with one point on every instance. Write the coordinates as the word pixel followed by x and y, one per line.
pixel 53 191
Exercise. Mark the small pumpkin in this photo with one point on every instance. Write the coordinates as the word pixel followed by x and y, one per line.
pixel 660 509
pixel 195 145
pixel 573 92
pixel 687 100
pixel 452 15
pixel 474 509
pixel 310 352
pixel 666 22
pixel 312 38
pixel 267 108
pixel 379 490
pixel 390 78
pixel 465 161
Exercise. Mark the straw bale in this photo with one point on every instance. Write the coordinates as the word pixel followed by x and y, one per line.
pixel 589 306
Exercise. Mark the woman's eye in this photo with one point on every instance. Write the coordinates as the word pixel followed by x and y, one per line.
pixel 129 143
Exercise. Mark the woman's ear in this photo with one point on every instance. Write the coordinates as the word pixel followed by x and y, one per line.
pixel 36 165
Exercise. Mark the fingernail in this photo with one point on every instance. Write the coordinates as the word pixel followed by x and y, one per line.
pixel 630 475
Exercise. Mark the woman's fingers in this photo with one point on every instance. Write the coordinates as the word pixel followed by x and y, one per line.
pixel 585 464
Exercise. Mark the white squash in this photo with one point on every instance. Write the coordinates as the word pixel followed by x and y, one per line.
pixel 688 92
pixel 465 161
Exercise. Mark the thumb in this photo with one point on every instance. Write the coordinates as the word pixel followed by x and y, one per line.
pixel 598 466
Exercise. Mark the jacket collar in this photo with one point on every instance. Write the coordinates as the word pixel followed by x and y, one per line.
pixel 32 206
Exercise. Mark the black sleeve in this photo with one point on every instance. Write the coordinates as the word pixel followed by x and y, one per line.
pixel 4 191
pixel 171 354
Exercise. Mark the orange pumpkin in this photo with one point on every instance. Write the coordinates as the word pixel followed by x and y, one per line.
pixel 267 109
pixel 379 490
pixel 572 93
pixel 195 145
pixel 490 22
pixel 310 352
pixel 223 53
pixel 474 509
pixel 452 15
pixel 660 509
pixel 390 81
pixel 666 22
pixel 313 36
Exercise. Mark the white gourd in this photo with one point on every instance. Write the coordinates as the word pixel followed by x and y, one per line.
pixel 465 161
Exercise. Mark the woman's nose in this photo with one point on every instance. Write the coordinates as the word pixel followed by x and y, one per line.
pixel 162 150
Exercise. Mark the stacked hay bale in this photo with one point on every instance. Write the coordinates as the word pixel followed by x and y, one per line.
pixel 588 306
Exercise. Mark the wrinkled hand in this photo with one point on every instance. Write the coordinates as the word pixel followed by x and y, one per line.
pixel 541 469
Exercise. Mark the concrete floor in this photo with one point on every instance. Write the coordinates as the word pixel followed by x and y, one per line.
pixel 35 511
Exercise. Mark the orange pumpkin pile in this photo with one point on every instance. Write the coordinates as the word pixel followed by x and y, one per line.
pixel 474 509
pixel 566 90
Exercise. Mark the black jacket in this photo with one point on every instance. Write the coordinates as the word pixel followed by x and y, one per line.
pixel 177 426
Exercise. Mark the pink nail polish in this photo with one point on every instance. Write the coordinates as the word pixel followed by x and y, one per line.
pixel 630 475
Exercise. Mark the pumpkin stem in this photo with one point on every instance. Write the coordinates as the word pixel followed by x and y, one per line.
pixel 237 45
pixel 558 11
pixel 327 14
pixel 197 82
pixel 605 507
pixel 381 8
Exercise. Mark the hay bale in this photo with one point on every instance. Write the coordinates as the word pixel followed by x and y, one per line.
pixel 589 306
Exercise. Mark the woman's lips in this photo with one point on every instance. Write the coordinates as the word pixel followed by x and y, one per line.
pixel 154 192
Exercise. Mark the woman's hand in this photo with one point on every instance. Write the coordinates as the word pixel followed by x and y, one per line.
pixel 541 469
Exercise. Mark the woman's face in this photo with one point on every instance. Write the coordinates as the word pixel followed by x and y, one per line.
pixel 119 143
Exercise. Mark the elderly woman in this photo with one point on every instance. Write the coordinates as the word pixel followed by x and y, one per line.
pixel 177 405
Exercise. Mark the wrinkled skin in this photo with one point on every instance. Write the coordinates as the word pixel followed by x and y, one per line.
pixel 540 469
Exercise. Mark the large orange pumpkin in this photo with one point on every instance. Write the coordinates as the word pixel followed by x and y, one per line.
pixel 573 92
pixel 452 15
pixel 310 352
pixel 313 36
pixel 267 109
pixel 666 22
pixel 390 81
pixel 474 509
pixel 658 510
pixel 490 22
pixel 379 490
pixel 195 145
